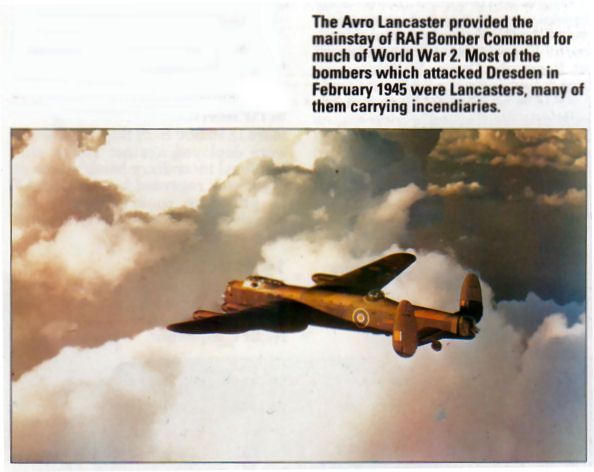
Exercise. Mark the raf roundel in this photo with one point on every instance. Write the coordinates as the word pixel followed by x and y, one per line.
pixel 361 317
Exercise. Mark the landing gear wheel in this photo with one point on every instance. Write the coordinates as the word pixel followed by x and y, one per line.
pixel 436 346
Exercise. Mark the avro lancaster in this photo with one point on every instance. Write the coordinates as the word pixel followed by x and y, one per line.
pixel 352 301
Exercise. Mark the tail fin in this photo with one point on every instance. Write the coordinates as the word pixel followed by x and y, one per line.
pixel 323 278
pixel 471 298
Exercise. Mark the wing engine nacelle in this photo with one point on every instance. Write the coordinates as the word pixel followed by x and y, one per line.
pixel 471 298
pixel 404 335
pixel 203 314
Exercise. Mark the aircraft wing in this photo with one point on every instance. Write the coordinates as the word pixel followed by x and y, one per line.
pixel 371 276
pixel 276 317
pixel 428 335
pixel 281 317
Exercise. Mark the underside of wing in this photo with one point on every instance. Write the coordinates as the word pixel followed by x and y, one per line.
pixel 277 317
pixel 283 317
pixel 428 335
pixel 371 276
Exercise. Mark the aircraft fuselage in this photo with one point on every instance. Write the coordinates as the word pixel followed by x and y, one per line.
pixel 369 312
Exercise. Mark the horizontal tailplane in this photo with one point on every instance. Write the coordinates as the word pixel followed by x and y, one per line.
pixel 323 278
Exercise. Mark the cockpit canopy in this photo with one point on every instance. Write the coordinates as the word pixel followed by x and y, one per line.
pixel 375 294
pixel 255 281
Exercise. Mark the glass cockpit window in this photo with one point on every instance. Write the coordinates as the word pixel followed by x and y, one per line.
pixel 255 281
pixel 375 294
pixel 251 282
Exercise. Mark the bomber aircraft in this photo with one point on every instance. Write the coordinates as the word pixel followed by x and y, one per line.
pixel 352 301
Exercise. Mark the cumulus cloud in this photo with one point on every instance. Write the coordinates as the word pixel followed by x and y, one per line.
pixel 48 189
pixel 509 221
pixel 19 139
pixel 162 169
pixel 73 412
pixel 527 315
pixel 560 149
pixel 571 197
pixel 494 401
pixel 88 257
pixel 318 395
pixel 385 222
pixel 95 263
pixel 454 188
pixel 84 252
pixel 92 140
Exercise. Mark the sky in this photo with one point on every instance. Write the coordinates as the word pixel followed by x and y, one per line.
pixel 118 233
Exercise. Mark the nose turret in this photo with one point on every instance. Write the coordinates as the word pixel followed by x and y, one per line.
pixel 228 303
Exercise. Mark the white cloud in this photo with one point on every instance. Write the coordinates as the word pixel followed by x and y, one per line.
pixel 454 188
pixel 42 148
pixel 570 197
pixel 296 259
pixel 164 169
pixel 261 200
pixel 317 395
pixel 396 204
pixel 580 163
pixel 527 315
pixel 320 214
pixel 384 223
pixel 560 149
pixel 311 147
pixel 88 251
